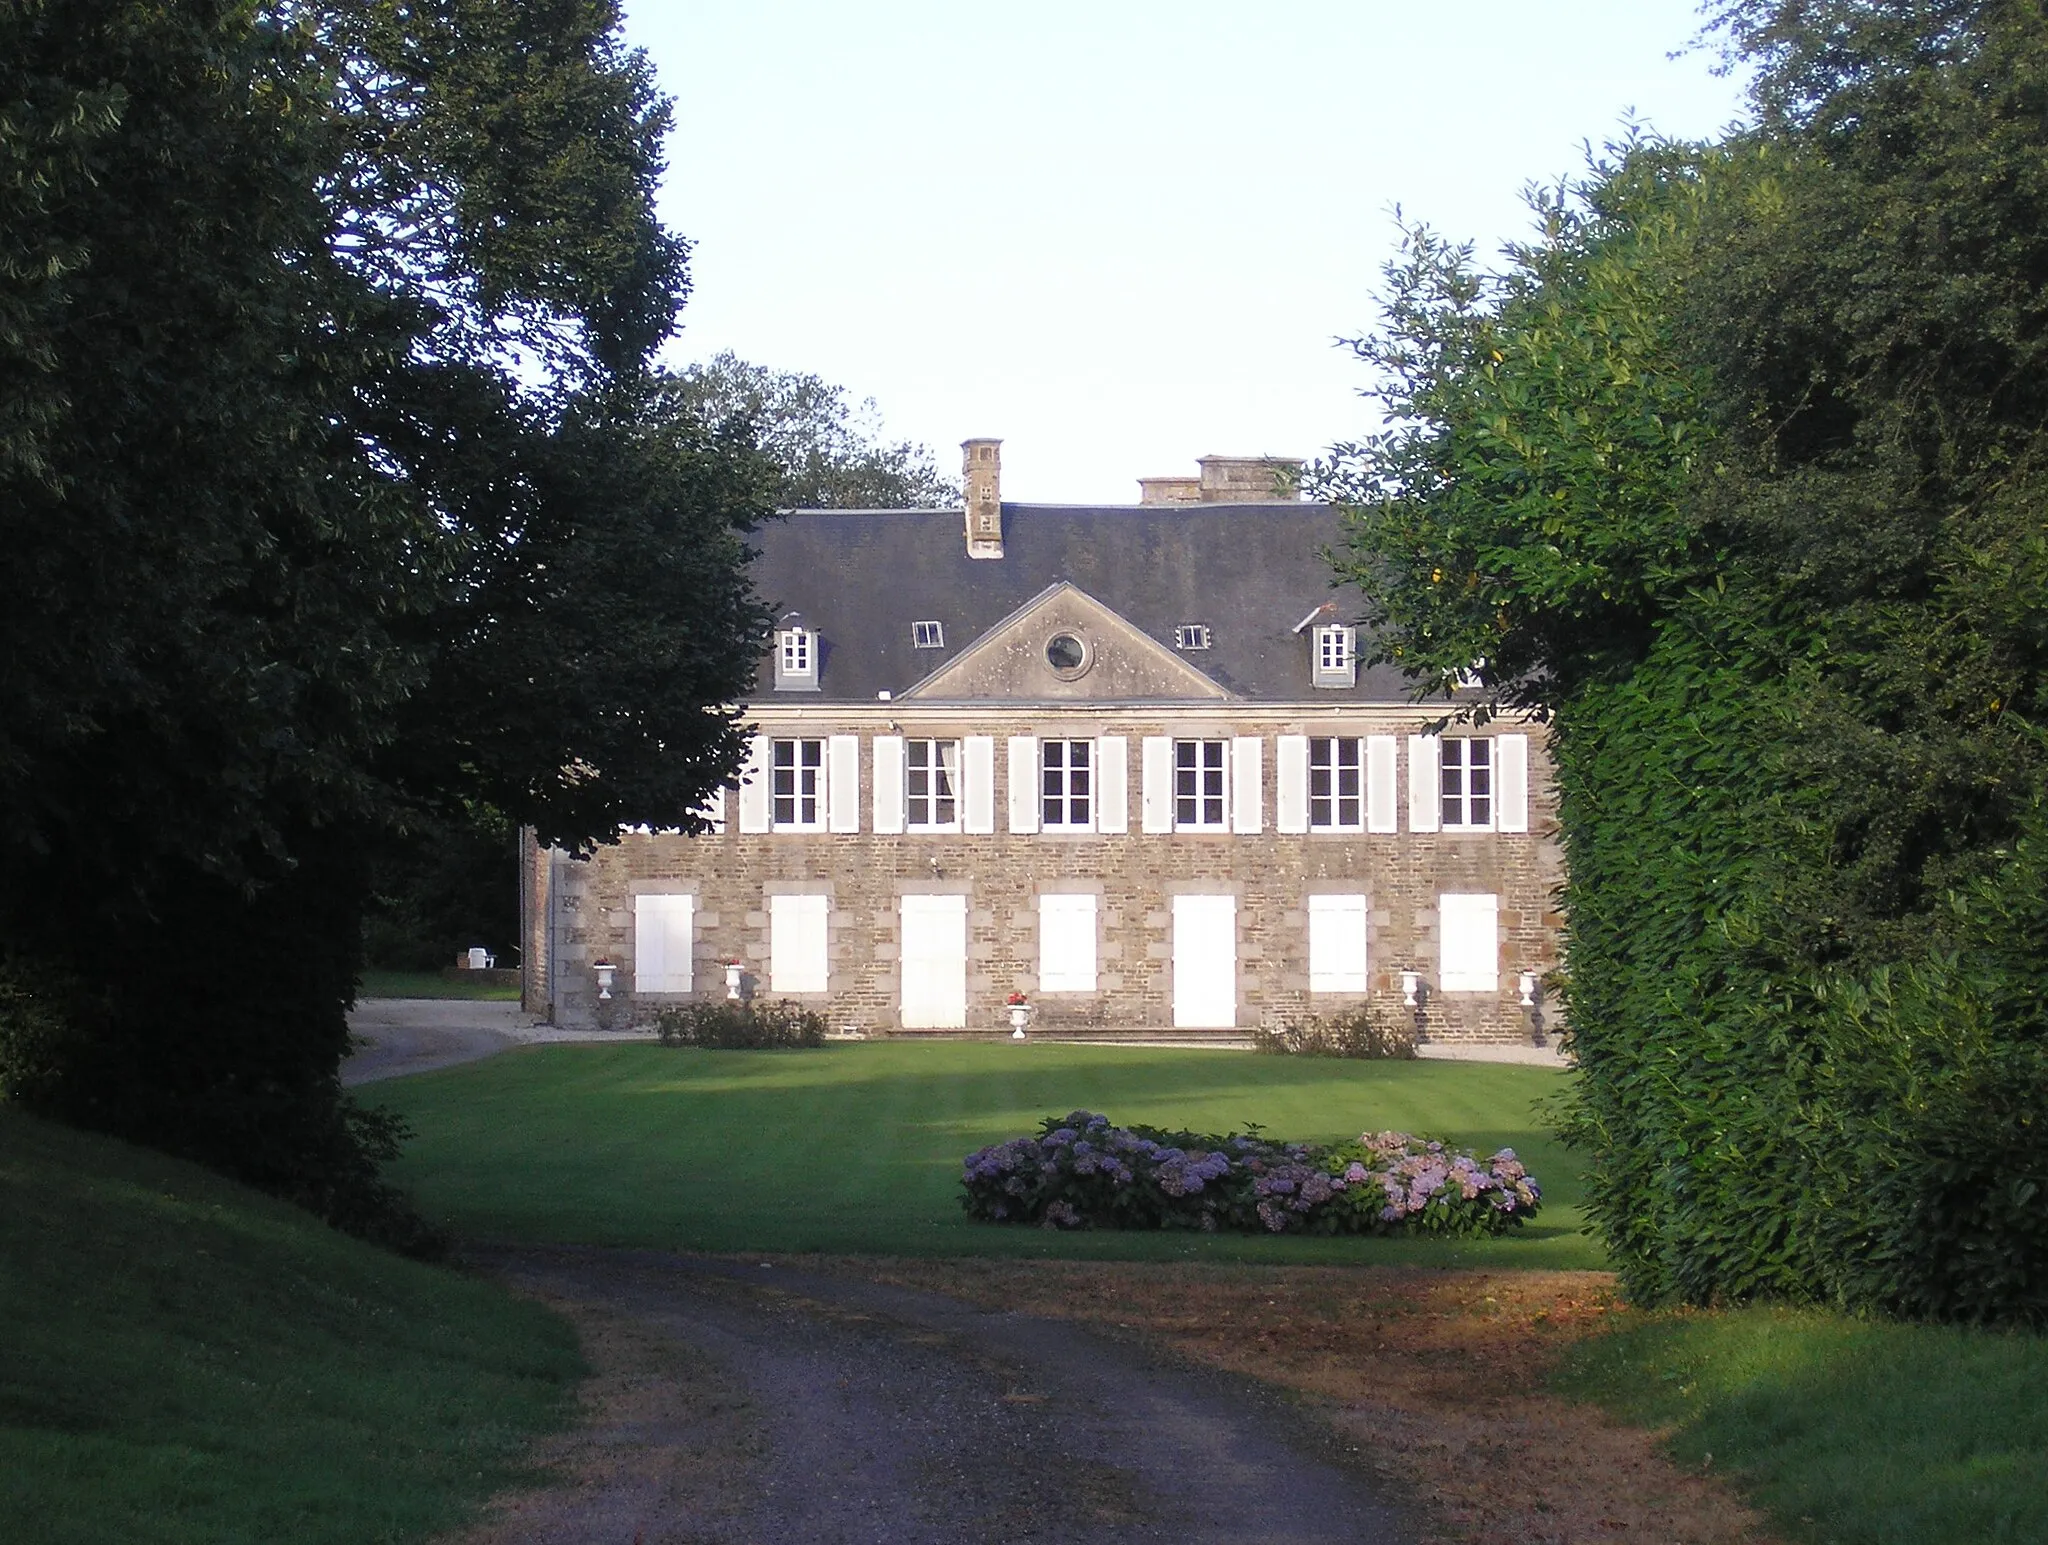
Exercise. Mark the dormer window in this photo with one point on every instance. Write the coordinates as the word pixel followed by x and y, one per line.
pixel 1191 635
pixel 796 657
pixel 927 635
pixel 1336 655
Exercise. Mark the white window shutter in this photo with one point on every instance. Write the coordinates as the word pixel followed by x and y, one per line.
pixel 1248 784
pixel 888 777
pixel 1511 783
pixel 1066 944
pixel 1382 798
pixel 1023 783
pixel 1112 777
pixel 664 941
pixel 1425 783
pixel 711 810
pixel 842 783
pixel 754 791
pixel 1290 784
pixel 799 957
pixel 1336 944
pixel 1468 943
pixel 1157 794
pixel 978 773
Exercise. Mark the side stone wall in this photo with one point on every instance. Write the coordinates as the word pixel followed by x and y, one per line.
pixel 1135 875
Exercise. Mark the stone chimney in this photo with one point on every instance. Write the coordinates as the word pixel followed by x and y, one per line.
pixel 1229 480
pixel 981 463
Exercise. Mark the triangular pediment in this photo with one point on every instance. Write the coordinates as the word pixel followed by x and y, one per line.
pixel 1064 646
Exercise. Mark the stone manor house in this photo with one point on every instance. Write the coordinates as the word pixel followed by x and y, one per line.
pixel 1120 759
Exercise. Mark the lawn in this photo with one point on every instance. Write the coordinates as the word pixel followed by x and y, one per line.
pixel 187 1361
pixel 432 984
pixel 1849 1431
pixel 857 1149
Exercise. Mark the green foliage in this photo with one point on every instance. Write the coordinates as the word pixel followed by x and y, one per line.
pixel 339 502
pixel 190 1363
pixel 832 453
pixel 720 1025
pixel 1737 472
pixel 1362 1034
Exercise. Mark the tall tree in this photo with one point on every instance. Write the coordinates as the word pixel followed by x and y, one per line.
pixel 337 495
pixel 833 452
pixel 1737 470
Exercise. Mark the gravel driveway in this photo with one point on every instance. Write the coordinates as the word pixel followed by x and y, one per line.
pixel 767 1405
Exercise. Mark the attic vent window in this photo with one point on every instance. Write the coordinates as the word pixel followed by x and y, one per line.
pixel 1191 635
pixel 796 658
pixel 1068 656
pixel 1336 656
pixel 927 635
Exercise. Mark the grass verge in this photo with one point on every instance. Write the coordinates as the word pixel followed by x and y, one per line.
pixel 1847 1431
pixel 857 1149
pixel 431 984
pixel 187 1361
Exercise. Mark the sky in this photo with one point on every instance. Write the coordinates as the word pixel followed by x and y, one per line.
pixel 1126 234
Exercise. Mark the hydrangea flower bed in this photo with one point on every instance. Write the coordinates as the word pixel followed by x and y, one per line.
pixel 1082 1172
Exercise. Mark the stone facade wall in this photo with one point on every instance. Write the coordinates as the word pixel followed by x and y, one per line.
pixel 586 906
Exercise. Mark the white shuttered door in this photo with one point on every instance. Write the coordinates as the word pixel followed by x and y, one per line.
pixel 1336 944
pixel 1468 934
pixel 1066 944
pixel 797 956
pixel 1204 962
pixel 934 962
pixel 664 938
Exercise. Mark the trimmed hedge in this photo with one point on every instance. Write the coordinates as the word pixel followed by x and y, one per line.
pixel 1083 1172
pixel 722 1025
pixel 1362 1035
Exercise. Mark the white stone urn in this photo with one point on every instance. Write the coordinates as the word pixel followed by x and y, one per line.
pixel 605 972
pixel 1020 1020
pixel 734 971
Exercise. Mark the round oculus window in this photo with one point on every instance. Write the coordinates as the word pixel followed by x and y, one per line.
pixel 1067 656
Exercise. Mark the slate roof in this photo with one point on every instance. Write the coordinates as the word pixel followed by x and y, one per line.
pixel 1250 572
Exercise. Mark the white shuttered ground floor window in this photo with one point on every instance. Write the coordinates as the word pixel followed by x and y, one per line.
pixel 1336 944
pixel 1066 943
pixel 797 955
pixel 1468 942
pixel 664 939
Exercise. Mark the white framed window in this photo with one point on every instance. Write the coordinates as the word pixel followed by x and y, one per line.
pixel 799 959
pixel 1336 655
pixel 1198 785
pixel 931 785
pixel 664 940
pixel 1066 784
pixel 796 657
pixel 1468 942
pixel 796 784
pixel 1066 943
pixel 1191 635
pixel 1465 778
pixel 927 635
pixel 1336 784
pixel 1336 944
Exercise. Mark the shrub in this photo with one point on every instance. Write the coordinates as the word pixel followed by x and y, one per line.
pixel 1082 1172
pixel 723 1025
pixel 1363 1033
